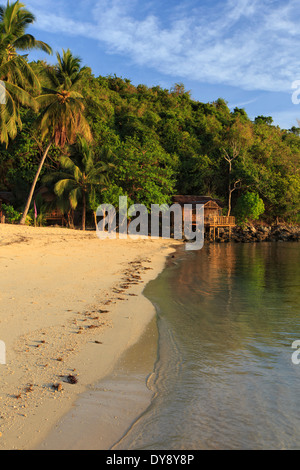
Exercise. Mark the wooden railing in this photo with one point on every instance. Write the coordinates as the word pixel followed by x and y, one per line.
pixel 55 214
pixel 221 221
pixel 217 221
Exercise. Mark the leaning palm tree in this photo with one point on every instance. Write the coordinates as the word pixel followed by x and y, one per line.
pixel 81 176
pixel 17 79
pixel 61 117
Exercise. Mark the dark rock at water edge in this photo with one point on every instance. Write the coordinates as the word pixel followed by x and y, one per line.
pixel 257 234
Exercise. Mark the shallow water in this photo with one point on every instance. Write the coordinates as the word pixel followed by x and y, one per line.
pixel 224 378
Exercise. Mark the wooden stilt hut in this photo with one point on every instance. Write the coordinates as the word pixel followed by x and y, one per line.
pixel 213 218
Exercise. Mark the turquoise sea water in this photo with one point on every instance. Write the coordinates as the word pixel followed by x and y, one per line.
pixel 224 379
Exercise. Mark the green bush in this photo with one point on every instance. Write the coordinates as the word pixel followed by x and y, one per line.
pixel 29 220
pixel 12 216
pixel 249 207
pixel 40 221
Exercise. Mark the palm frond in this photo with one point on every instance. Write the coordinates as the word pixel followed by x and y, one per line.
pixel 74 196
pixel 63 185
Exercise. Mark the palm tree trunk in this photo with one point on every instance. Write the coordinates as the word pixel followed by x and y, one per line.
pixel 95 219
pixel 83 211
pixel 23 219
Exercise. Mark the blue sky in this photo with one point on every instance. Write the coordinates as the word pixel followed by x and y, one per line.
pixel 245 51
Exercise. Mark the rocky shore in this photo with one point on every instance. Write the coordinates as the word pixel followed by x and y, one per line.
pixel 259 233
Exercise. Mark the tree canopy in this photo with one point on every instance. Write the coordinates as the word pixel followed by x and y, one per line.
pixel 156 142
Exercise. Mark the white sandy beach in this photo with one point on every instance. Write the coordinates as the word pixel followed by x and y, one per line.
pixel 70 304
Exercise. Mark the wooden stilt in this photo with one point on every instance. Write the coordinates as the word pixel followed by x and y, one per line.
pixel 213 231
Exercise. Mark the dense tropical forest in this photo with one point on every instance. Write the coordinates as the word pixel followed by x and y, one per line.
pixel 86 140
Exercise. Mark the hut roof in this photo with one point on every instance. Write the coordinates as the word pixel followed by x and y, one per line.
pixel 196 200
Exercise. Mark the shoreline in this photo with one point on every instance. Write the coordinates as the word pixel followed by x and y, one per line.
pixel 104 413
pixel 71 305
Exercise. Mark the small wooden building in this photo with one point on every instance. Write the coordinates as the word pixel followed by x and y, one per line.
pixel 54 215
pixel 213 218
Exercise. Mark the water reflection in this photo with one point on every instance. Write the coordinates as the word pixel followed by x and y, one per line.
pixel 227 316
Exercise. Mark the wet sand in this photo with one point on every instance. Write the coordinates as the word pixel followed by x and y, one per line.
pixel 104 413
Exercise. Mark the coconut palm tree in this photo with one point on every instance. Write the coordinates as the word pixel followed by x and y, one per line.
pixel 81 177
pixel 61 117
pixel 14 20
pixel 17 78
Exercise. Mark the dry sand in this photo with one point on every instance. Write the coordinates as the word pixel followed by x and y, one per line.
pixel 70 304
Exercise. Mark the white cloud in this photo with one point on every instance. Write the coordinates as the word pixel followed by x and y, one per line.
pixel 246 43
pixel 242 104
